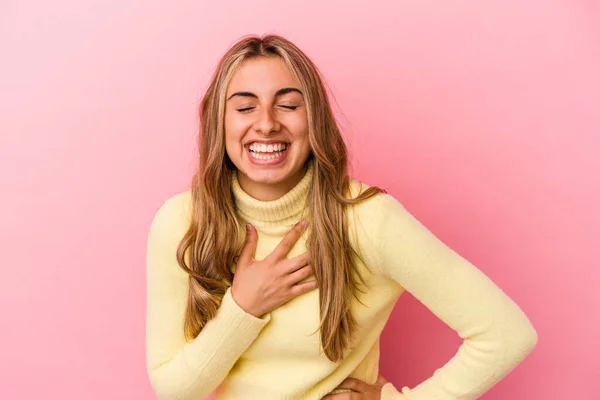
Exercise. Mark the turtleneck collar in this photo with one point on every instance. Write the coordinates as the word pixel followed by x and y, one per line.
pixel 276 216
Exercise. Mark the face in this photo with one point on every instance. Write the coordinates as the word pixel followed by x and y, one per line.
pixel 266 127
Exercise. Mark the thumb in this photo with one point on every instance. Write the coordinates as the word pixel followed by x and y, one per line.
pixel 247 254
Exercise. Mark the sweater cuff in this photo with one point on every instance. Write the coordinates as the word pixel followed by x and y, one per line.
pixel 232 331
pixel 245 319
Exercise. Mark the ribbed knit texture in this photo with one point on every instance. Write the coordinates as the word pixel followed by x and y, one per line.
pixel 277 216
pixel 279 356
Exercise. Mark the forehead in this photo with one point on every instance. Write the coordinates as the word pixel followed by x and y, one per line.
pixel 262 75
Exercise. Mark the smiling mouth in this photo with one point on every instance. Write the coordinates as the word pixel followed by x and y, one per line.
pixel 261 151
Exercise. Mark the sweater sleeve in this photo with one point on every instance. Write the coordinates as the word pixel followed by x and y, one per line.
pixel 496 334
pixel 180 369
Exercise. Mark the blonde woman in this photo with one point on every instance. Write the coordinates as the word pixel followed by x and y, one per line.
pixel 274 275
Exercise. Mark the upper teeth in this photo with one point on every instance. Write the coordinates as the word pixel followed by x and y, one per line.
pixel 267 148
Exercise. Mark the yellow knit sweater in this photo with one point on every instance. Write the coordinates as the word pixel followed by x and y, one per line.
pixel 278 356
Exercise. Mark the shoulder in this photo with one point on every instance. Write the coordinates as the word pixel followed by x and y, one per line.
pixel 368 219
pixel 378 205
pixel 173 214
pixel 375 212
pixel 380 217
pixel 167 228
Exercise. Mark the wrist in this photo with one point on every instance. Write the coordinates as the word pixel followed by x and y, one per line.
pixel 241 303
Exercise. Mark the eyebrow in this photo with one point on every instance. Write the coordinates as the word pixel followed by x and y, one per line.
pixel 280 92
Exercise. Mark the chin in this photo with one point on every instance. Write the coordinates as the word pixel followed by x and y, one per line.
pixel 265 176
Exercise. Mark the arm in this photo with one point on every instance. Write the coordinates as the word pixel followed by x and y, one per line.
pixel 497 334
pixel 180 370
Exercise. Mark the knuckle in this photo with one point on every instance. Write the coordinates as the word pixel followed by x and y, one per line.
pixel 299 289
pixel 272 275
pixel 306 259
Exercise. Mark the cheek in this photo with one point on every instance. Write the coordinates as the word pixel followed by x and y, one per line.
pixel 234 129
pixel 299 127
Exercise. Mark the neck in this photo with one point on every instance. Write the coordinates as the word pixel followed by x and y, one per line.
pixel 278 215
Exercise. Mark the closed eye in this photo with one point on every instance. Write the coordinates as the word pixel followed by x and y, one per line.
pixel 251 108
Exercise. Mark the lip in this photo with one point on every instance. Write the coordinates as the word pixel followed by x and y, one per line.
pixel 274 161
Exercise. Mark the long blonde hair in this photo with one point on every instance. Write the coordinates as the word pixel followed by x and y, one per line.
pixel 215 235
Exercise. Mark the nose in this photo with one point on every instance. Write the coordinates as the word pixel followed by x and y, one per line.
pixel 265 122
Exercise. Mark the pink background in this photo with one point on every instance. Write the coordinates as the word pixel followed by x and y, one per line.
pixel 481 117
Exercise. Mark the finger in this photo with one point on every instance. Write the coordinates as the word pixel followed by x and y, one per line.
pixel 297 262
pixel 304 287
pixel 344 396
pixel 247 254
pixel 354 384
pixel 338 396
pixel 299 275
pixel 288 241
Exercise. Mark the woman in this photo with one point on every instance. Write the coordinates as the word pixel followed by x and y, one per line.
pixel 246 301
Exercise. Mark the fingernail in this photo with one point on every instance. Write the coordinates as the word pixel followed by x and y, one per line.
pixel 304 223
pixel 247 228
